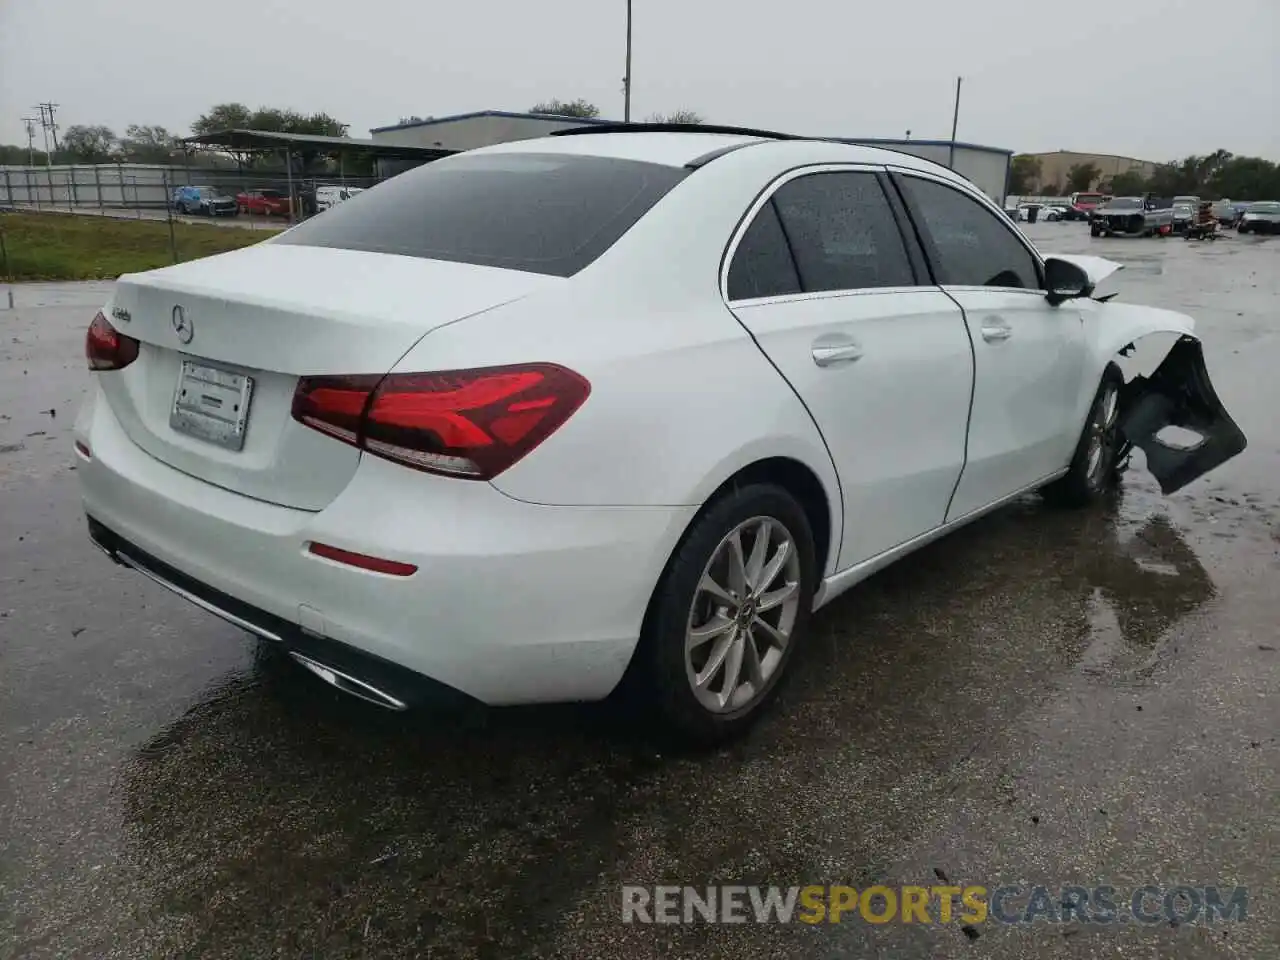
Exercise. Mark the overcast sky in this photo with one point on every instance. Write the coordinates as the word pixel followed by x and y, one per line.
pixel 1156 79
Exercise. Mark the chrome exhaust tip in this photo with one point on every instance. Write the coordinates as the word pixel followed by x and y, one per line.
pixel 349 684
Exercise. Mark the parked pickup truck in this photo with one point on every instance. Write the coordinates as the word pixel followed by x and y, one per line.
pixel 1144 216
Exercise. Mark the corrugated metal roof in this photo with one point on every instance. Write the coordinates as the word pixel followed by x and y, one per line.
pixel 487 113
pixel 266 140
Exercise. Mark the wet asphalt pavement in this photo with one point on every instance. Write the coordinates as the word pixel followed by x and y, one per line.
pixel 1044 697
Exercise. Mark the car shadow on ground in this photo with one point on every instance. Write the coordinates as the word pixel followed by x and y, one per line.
pixel 484 831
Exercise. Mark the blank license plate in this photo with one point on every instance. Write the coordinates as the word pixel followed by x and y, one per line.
pixel 212 404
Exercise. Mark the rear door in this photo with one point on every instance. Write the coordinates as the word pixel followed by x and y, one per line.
pixel 833 293
pixel 1029 356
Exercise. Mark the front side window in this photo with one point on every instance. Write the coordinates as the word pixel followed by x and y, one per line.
pixel 842 232
pixel 973 247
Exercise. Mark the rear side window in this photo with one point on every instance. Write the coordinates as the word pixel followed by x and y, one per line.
pixel 762 264
pixel 973 246
pixel 542 213
pixel 843 233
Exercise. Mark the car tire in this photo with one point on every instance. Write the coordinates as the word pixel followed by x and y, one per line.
pixel 1093 472
pixel 692 631
pixel 1095 232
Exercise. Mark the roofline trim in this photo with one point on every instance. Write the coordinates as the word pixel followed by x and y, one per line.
pixel 509 114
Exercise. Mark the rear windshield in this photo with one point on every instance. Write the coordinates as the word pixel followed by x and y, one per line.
pixel 541 213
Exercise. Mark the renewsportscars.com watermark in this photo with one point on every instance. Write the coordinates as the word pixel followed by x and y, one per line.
pixel 935 904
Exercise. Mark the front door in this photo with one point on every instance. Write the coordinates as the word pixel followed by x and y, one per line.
pixel 1029 356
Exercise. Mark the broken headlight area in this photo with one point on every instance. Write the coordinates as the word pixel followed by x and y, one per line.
pixel 1176 419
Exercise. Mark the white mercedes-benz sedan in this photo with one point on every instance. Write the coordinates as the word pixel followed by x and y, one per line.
pixel 624 403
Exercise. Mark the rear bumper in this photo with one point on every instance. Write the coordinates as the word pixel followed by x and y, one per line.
pixel 353 670
pixel 511 603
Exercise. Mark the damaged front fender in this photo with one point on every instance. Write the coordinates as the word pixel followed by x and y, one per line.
pixel 1179 394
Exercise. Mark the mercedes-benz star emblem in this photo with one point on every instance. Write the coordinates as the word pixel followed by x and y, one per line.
pixel 183 327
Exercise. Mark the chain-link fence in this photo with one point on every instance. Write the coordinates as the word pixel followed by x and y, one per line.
pixel 99 221
pixel 95 222
pixel 154 191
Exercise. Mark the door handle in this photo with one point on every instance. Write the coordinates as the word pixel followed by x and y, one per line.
pixel 992 332
pixel 829 354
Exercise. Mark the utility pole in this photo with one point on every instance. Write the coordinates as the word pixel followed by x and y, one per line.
pixel 626 80
pixel 53 127
pixel 31 137
pixel 49 127
pixel 955 122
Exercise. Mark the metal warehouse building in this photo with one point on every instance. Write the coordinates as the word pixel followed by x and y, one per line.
pixel 986 167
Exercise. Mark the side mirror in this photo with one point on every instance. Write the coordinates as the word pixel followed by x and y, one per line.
pixel 1065 281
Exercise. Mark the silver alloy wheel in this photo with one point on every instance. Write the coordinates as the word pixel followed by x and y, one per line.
pixel 743 612
pixel 1102 431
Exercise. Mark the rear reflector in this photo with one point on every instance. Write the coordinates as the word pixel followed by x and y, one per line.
pixel 106 348
pixel 365 562
pixel 462 423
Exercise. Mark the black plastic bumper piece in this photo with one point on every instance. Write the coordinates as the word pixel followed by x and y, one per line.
pixel 409 687
pixel 1179 394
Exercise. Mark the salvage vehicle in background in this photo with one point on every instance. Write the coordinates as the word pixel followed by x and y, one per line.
pixel 1142 216
pixel 1225 212
pixel 264 203
pixel 330 196
pixel 457 494
pixel 1082 204
pixel 1184 214
pixel 205 201
pixel 1261 217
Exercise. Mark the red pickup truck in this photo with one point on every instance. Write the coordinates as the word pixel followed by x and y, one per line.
pixel 1083 204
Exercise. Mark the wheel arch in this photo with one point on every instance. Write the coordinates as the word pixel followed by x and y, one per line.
pixel 821 506
pixel 820 503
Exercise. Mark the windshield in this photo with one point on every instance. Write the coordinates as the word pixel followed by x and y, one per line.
pixel 1182 208
pixel 1265 207
pixel 1089 197
pixel 1125 203
pixel 543 213
pixel 206 191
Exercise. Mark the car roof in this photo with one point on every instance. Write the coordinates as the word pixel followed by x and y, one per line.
pixel 682 148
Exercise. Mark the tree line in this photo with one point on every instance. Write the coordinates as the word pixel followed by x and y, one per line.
pixel 97 143
pixel 1215 176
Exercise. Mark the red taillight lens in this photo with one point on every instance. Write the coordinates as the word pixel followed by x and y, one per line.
pixel 462 423
pixel 334 405
pixel 107 348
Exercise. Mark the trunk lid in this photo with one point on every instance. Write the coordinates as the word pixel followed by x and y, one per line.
pixel 239 329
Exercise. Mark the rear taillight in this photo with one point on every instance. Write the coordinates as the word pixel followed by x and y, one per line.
pixel 462 423
pixel 107 348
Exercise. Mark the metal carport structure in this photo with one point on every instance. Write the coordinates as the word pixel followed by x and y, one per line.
pixel 288 144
